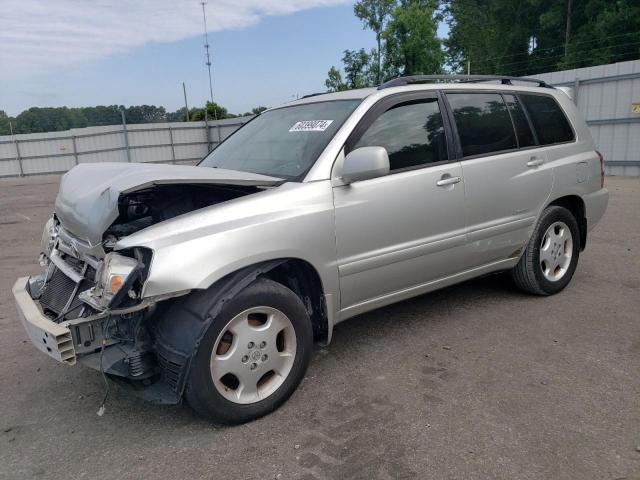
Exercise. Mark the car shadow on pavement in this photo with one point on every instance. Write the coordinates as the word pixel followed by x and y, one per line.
pixel 373 328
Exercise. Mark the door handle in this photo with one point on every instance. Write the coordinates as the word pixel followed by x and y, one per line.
pixel 443 182
pixel 535 162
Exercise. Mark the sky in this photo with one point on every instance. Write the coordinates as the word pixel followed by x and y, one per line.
pixel 103 52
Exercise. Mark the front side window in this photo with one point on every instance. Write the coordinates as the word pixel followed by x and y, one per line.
pixel 548 119
pixel 412 133
pixel 284 142
pixel 483 122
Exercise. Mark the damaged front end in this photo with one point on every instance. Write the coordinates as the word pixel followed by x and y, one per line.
pixel 89 303
pixel 91 310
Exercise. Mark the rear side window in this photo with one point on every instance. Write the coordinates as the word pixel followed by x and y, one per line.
pixel 523 130
pixel 483 122
pixel 412 134
pixel 548 119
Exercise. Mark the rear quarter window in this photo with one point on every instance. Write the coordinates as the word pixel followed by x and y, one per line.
pixel 549 121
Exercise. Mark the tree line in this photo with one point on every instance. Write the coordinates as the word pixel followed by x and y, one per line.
pixel 498 37
pixel 55 119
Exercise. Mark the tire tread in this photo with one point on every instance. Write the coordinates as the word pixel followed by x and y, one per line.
pixel 195 389
pixel 523 274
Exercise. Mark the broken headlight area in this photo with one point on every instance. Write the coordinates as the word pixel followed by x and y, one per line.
pixel 119 280
pixel 49 236
pixel 98 296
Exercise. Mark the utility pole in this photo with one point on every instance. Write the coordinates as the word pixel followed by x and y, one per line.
pixel 567 30
pixel 186 107
pixel 468 67
pixel 206 49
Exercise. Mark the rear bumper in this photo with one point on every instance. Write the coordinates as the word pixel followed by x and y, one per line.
pixel 595 205
pixel 47 336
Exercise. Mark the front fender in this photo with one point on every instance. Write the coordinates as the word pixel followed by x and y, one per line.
pixel 193 251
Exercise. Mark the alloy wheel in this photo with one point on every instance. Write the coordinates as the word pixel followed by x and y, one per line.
pixel 253 355
pixel 556 251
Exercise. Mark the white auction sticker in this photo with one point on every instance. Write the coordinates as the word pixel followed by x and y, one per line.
pixel 311 126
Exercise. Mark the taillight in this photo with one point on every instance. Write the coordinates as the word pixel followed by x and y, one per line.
pixel 601 169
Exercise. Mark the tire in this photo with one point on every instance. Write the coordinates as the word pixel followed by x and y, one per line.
pixel 534 273
pixel 262 301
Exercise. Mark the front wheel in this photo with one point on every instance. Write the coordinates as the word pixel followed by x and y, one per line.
pixel 551 256
pixel 253 356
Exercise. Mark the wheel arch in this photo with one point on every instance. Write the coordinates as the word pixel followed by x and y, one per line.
pixel 304 280
pixel 575 205
pixel 180 329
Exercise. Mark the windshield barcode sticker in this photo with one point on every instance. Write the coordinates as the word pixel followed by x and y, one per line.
pixel 311 126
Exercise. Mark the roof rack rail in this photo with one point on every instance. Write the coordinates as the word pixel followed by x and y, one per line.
pixel 308 95
pixel 413 79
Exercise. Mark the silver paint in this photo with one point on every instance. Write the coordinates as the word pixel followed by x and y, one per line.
pixel 365 163
pixel 372 242
pixel 88 199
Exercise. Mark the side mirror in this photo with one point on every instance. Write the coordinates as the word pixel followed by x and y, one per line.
pixel 364 163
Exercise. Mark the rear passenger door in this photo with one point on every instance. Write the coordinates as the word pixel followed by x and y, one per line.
pixel 507 179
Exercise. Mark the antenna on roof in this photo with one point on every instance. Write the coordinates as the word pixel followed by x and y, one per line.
pixel 206 49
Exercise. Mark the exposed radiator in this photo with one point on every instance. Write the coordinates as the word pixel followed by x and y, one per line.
pixel 58 290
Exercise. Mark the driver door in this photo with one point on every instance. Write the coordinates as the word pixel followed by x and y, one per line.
pixel 399 233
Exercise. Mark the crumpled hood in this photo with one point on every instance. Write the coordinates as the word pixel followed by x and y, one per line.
pixel 87 202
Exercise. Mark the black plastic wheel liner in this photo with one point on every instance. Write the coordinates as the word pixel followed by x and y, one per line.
pixel 181 328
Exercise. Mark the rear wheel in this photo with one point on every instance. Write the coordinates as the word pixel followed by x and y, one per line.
pixel 253 356
pixel 551 256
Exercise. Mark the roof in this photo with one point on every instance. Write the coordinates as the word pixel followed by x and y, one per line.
pixel 462 82
pixel 357 94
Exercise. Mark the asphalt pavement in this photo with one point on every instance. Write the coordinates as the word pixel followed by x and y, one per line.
pixel 476 381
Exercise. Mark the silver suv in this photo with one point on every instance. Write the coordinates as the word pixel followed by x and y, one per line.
pixel 212 282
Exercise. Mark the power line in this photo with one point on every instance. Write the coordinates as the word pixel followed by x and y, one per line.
pixel 484 62
pixel 555 47
pixel 575 62
pixel 562 46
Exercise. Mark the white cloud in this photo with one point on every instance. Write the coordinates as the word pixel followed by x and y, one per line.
pixel 38 35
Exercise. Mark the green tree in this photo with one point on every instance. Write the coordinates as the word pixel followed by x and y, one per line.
pixel 602 32
pixel 491 35
pixel 214 112
pixel 334 82
pixel 406 34
pixel 359 72
pixel 518 38
pixel 145 114
pixel 103 115
pixel 357 68
pixel 5 129
pixel 49 119
pixel 374 15
pixel 411 43
pixel 254 111
pixel 179 115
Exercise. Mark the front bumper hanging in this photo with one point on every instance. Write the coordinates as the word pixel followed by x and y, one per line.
pixel 51 338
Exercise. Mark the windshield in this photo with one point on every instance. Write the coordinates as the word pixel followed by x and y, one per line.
pixel 284 142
